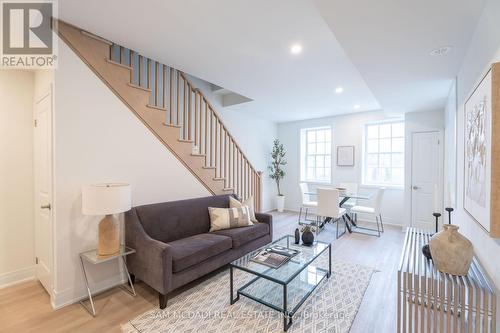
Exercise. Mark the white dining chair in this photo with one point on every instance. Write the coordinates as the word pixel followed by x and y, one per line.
pixel 306 201
pixel 374 210
pixel 328 207
pixel 351 188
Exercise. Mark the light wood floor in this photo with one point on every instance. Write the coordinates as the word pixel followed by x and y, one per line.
pixel 26 308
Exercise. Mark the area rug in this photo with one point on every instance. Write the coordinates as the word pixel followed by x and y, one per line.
pixel 205 308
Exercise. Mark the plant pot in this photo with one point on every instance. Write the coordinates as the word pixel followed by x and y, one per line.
pixel 451 252
pixel 307 237
pixel 280 203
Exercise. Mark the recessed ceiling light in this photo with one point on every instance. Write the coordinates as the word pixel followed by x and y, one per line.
pixel 339 90
pixel 296 48
pixel 357 106
pixel 440 51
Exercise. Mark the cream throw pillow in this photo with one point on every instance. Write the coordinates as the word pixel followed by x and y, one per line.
pixel 228 218
pixel 233 203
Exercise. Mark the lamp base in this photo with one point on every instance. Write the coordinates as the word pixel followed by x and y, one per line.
pixel 109 237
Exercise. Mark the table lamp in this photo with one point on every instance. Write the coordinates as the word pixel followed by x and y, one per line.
pixel 107 199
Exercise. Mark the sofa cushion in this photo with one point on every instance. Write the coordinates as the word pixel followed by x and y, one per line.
pixel 170 221
pixel 227 218
pixel 190 251
pixel 243 235
pixel 235 203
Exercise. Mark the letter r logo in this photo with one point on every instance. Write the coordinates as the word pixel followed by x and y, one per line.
pixel 27 27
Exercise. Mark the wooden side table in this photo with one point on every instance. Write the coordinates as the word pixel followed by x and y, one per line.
pixel 93 258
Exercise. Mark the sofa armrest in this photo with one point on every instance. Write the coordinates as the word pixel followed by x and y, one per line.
pixel 152 261
pixel 266 218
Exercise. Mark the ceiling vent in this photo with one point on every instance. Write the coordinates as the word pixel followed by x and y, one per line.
pixel 441 51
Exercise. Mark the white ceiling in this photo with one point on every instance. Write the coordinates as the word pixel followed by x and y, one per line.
pixel 389 42
pixel 244 46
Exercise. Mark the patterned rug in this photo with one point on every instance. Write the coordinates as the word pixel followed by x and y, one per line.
pixel 205 308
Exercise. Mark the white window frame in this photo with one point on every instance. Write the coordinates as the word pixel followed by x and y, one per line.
pixel 364 171
pixel 304 154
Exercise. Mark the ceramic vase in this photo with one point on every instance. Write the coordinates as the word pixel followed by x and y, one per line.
pixel 451 252
pixel 307 237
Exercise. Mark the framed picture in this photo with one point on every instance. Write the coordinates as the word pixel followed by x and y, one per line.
pixel 345 155
pixel 482 153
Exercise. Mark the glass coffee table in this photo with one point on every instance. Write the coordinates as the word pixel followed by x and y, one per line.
pixel 287 287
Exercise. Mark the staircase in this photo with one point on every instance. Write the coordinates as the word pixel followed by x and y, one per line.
pixel 173 109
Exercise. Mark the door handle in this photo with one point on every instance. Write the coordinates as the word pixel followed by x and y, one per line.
pixel 46 206
pixel 415 187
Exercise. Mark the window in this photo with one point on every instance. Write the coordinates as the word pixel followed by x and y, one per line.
pixel 316 154
pixel 383 162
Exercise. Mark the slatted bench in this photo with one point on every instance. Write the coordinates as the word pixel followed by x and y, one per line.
pixel 431 301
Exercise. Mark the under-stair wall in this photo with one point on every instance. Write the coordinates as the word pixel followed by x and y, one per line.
pixel 177 112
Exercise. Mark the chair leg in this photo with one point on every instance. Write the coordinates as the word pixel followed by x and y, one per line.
pixel 345 223
pixel 300 213
pixel 381 222
pixel 163 300
pixel 132 278
pixel 318 224
pixel 305 217
pixel 378 228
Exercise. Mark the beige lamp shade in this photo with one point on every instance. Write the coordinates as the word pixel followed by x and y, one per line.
pixel 106 199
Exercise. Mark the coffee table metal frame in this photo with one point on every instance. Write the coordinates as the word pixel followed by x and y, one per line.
pixel 287 314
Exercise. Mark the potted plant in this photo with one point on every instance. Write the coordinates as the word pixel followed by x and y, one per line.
pixel 276 171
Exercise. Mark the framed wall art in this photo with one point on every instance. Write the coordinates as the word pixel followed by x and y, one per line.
pixel 482 153
pixel 345 155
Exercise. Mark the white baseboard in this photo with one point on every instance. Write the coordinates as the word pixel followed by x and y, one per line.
pixel 21 275
pixel 71 296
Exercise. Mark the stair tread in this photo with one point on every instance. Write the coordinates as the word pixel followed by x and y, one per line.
pixel 208 167
pixel 172 125
pixel 156 107
pixel 184 140
pixel 118 64
pixel 139 87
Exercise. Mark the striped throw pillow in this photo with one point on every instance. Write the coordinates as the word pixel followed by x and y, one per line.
pixel 233 203
pixel 228 218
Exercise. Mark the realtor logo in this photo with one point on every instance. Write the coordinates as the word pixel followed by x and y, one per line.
pixel 27 35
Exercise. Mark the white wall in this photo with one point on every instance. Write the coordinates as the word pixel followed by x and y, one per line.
pixel 346 130
pixel 17 252
pixel 99 140
pixel 424 121
pixel 254 135
pixel 450 142
pixel 483 50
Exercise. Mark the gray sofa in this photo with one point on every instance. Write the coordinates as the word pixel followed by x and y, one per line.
pixel 174 246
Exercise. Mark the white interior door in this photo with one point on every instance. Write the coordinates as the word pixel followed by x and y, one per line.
pixel 426 180
pixel 43 189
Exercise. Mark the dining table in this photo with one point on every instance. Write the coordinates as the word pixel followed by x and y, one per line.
pixel 344 197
